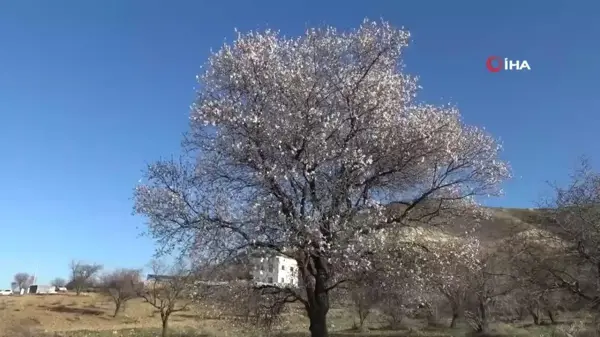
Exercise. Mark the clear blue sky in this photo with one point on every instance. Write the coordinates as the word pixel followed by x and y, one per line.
pixel 91 91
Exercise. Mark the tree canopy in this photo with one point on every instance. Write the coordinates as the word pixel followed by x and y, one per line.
pixel 296 145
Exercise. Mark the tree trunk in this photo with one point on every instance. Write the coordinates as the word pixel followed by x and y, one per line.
pixel 318 323
pixel 362 317
pixel 485 324
pixel 165 324
pixel 117 308
pixel 456 300
pixel 455 317
pixel 318 300
pixel 536 318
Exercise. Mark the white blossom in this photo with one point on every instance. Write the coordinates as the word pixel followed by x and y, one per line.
pixel 315 147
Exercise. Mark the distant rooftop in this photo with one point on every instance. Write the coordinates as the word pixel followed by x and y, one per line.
pixel 158 277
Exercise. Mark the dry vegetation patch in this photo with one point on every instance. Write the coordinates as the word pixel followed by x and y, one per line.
pixel 68 313
pixel 91 316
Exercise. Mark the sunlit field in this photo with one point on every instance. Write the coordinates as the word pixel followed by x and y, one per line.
pixel 91 315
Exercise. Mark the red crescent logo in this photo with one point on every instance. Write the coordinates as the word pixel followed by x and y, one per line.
pixel 490 64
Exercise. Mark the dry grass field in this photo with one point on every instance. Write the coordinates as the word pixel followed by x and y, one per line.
pixel 91 315
pixel 69 313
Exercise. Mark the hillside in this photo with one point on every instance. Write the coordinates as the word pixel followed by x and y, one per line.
pixel 500 222
pixel 503 222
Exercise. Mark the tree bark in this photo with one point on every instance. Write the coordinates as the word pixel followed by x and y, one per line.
pixel 165 325
pixel 456 300
pixel 363 316
pixel 485 324
pixel 318 300
pixel 536 318
pixel 455 317
pixel 117 308
pixel 318 323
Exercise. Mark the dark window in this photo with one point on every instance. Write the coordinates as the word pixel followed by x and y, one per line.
pixel 270 280
pixel 282 267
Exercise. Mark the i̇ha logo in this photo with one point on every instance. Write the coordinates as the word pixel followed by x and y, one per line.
pixel 497 63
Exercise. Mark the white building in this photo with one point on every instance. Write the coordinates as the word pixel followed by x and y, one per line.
pixel 276 269
pixel 39 289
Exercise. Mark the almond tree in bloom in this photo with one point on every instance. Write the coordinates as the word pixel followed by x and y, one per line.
pixel 451 265
pixel 537 293
pixel 569 256
pixel 401 278
pixel 438 263
pixel 490 280
pixel 296 146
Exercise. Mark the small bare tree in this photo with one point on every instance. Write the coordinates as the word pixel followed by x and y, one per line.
pixel 58 282
pixel 257 307
pixel 268 310
pixel 171 291
pixel 81 274
pixel 122 285
pixel 489 281
pixel 538 302
pixel 536 293
pixel 396 304
pixel 22 280
pixel 570 257
pixel 365 294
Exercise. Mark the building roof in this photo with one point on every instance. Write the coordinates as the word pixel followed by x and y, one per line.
pixel 158 277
